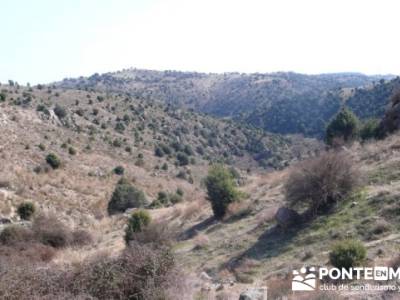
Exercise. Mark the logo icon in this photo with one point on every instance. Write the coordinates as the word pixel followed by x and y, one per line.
pixel 381 273
pixel 305 280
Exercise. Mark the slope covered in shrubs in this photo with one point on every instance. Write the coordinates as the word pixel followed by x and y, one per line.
pixel 277 102
pixel 132 123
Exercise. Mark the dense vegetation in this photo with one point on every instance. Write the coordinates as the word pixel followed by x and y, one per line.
pixel 372 102
pixel 277 102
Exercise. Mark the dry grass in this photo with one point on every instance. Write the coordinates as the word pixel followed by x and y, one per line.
pixel 201 241
pixel 279 287
pixel 237 209
pixel 139 271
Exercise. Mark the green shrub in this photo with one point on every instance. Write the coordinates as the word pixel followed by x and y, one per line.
pixel 221 190
pixel 188 150
pixel 166 149
pixel 60 111
pixel 179 192
pixel 119 127
pixel 182 158
pixel 119 170
pixel 165 199
pixel 26 210
pixel 71 151
pixel 42 109
pixel 344 126
pixel 161 201
pixel 158 152
pixel 53 160
pixel 136 223
pixel 347 254
pixel 175 198
pixel 117 143
pixel 162 197
pixel 200 150
pixel 125 196
pixel 124 180
pixel 164 167
pixel 369 129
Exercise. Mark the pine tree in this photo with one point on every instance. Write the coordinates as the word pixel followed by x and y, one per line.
pixel 344 126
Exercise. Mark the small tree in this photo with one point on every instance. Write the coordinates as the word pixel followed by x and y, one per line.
pixel 136 223
pixel 60 111
pixel 158 152
pixel 344 126
pixel 53 160
pixel 125 196
pixel 320 182
pixel 369 129
pixel 347 254
pixel 26 210
pixel 182 158
pixel 221 190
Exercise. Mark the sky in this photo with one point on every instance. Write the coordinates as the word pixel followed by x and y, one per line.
pixel 47 40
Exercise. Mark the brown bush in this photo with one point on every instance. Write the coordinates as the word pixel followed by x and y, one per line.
pixel 50 231
pixel 23 281
pixel 156 233
pixel 140 272
pixel 322 181
pixel 27 252
pixel 14 234
pixel 81 237
pixel 278 288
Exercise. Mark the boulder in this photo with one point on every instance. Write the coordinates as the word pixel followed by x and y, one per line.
pixel 286 217
pixel 205 276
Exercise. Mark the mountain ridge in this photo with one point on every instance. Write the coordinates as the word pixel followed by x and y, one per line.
pixel 270 101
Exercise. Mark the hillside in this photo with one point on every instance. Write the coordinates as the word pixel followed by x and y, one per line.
pixel 163 150
pixel 285 103
pixel 372 102
pixel 93 133
pixel 249 246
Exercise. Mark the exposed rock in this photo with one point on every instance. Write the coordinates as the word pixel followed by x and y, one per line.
pixel 254 294
pixel 286 217
pixel 205 276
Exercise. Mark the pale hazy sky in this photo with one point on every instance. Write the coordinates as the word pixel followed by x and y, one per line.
pixel 47 40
